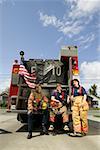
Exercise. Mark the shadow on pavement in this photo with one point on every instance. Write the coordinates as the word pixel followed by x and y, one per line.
pixel 92 130
pixel 24 128
pixel 33 136
pixel 2 131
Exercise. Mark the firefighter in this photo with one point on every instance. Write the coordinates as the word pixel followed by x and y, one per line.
pixel 57 104
pixel 79 109
pixel 37 101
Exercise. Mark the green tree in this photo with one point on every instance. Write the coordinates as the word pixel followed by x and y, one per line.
pixel 93 90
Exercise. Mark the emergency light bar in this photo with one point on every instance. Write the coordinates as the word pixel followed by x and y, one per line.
pixel 69 51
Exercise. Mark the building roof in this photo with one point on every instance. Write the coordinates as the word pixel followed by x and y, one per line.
pixel 4 94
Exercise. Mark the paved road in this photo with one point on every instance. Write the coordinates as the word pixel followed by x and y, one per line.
pixel 13 137
pixel 94 112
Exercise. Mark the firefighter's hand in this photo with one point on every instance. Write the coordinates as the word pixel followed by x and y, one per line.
pixel 82 104
pixel 72 99
pixel 34 109
pixel 68 100
pixel 59 105
pixel 29 112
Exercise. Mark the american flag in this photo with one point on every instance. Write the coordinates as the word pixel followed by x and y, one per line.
pixel 30 78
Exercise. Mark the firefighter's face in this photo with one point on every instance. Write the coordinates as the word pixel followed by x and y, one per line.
pixel 75 84
pixel 59 88
pixel 38 88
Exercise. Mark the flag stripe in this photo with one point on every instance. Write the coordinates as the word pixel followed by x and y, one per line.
pixel 29 78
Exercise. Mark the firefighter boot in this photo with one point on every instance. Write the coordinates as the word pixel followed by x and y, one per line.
pixel 29 135
pixel 51 127
pixel 44 130
pixel 66 128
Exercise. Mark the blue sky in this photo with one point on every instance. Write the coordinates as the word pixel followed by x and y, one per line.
pixel 42 27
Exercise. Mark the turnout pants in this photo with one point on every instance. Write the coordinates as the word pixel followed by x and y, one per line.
pixel 79 115
pixel 62 110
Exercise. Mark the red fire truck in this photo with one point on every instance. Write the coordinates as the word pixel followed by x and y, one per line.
pixel 48 72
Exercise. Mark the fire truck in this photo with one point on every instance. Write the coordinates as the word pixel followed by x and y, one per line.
pixel 48 73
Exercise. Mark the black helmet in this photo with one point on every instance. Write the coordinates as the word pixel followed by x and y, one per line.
pixel 73 81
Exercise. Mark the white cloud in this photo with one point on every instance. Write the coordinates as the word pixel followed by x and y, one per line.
pixel 89 69
pixel 79 39
pixel 59 40
pixel 77 16
pixel 73 28
pixel 86 41
pixel 4 83
pixel 66 27
pixel 88 5
pixel 90 74
pixel 50 20
pixel 84 8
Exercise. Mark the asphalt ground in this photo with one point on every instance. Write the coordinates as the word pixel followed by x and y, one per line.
pixel 13 137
